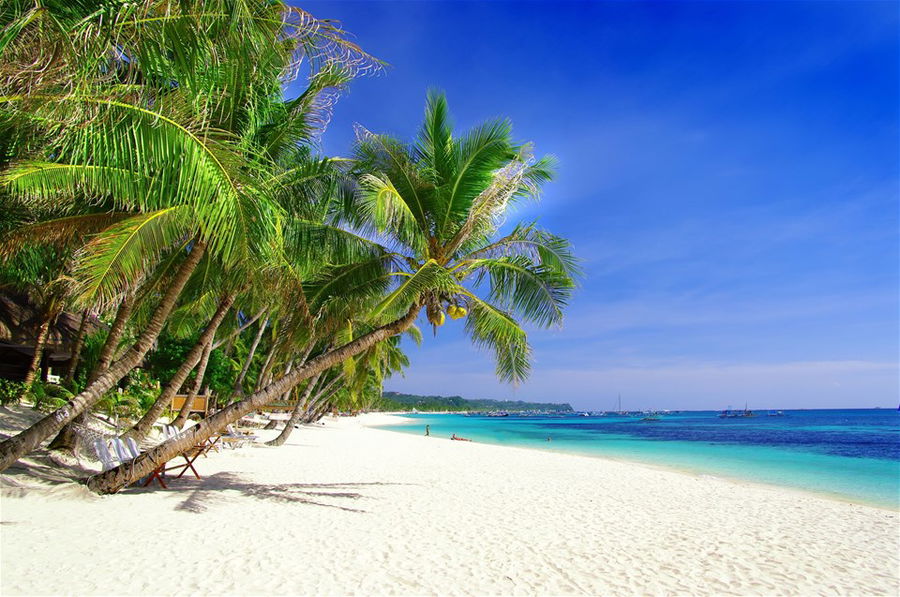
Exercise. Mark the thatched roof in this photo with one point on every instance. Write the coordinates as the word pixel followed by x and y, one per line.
pixel 19 321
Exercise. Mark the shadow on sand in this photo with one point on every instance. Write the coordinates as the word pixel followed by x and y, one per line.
pixel 201 493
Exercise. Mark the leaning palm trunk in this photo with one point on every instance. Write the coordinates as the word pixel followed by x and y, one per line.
pixel 317 412
pixel 143 426
pixel 39 344
pixel 108 351
pixel 264 372
pixel 273 423
pixel 239 382
pixel 76 350
pixel 17 446
pixel 295 414
pixel 67 438
pixel 302 408
pixel 195 389
pixel 115 479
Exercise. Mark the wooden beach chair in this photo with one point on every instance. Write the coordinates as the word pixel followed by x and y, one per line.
pixel 156 474
pixel 189 456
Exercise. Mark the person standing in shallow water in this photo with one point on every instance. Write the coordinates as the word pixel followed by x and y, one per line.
pixel 427 430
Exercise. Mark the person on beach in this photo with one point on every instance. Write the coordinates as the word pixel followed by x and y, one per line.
pixel 427 430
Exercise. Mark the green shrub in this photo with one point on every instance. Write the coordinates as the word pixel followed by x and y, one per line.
pixel 11 391
pixel 141 390
pixel 47 396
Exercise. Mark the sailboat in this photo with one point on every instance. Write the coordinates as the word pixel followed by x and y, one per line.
pixel 620 411
pixel 733 414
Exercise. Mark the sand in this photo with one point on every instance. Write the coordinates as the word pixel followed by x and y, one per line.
pixel 347 509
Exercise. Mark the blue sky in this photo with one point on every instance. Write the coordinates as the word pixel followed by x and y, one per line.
pixel 728 173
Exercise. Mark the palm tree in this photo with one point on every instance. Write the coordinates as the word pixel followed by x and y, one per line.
pixel 438 204
pixel 174 155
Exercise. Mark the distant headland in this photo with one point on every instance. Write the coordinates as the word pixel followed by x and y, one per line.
pixel 396 401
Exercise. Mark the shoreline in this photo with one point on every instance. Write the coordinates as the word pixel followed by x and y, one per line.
pixel 369 511
pixel 397 418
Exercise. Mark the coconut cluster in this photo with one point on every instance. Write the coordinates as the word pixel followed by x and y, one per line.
pixel 456 312
pixel 437 317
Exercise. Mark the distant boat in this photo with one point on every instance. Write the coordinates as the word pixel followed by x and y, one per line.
pixel 776 413
pixel 651 417
pixel 733 414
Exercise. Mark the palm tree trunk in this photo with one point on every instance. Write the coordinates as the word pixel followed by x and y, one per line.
pixel 39 344
pixel 260 381
pixel 108 351
pixel 295 414
pixel 317 412
pixel 143 426
pixel 302 406
pixel 273 424
pixel 76 350
pixel 195 389
pixel 239 382
pixel 67 438
pixel 17 446
pixel 115 479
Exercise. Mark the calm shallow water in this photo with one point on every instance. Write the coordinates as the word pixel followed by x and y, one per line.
pixel 849 454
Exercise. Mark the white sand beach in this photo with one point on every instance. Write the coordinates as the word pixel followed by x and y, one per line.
pixel 347 509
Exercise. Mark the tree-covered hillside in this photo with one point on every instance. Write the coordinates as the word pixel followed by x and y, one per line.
pixel 392 401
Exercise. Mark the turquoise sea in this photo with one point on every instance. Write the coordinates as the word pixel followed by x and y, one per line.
pixel 848 454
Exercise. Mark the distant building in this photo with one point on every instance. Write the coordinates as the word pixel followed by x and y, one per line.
pixel 19 322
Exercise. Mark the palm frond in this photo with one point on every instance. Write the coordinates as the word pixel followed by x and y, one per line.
pixel 350 283
pixel 189 318
pixel 431 278
pixel 434 146
pixel 486 211
pixel 52 185
pixel 477 155
pixel 68 232
pixel 117 259
pixel 541 247
pixel 493 328
pixel 539 293
pixel 387 211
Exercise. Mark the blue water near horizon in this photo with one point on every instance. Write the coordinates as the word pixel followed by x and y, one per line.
pixel 847 454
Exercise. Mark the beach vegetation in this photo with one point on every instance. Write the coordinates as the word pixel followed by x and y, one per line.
pixel 155 176
pixel 11 391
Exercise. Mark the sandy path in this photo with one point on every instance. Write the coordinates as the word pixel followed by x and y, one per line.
pixel 345 509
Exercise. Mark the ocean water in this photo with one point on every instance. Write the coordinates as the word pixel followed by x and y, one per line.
pixel 848 454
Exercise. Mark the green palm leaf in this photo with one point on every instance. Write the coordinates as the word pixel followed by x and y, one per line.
pixel 541 247
pixel 493 328
pixel 431 278
pixel 118 258
pixel 539 293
